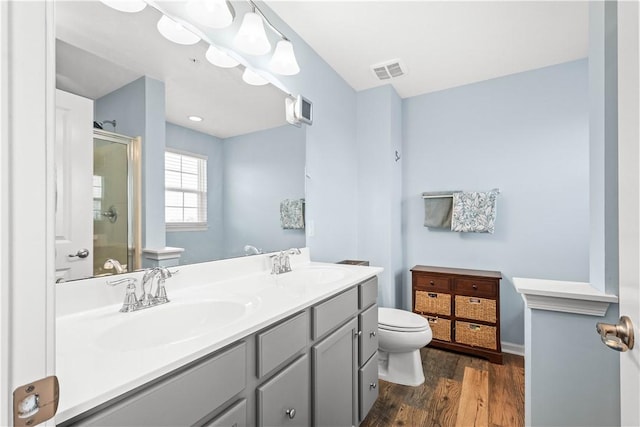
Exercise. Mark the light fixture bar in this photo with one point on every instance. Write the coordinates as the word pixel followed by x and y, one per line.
pixel 265 19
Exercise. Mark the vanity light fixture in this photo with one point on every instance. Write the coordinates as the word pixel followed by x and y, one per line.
pixel 220 58
pixel 283 60
pixel 251 37
pixel 176 32
pixel 130 6
pixel 211 13
pixel 251 77
pixel 195 118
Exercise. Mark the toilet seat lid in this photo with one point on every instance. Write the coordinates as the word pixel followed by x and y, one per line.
pixel 401 320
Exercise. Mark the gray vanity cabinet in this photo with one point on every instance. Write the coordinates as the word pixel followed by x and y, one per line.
pixel 317 367
pixel 334 377
pixel 284 399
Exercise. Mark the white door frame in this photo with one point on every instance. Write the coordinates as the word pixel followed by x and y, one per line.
pixel 27 261
pixel 629 201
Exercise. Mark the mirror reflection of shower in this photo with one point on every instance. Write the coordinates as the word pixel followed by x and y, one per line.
pixel 114 205
pixel 100 124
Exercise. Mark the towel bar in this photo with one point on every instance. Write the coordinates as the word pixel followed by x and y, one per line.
pixel 438 197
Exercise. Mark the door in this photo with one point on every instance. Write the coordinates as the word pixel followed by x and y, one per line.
pixel 629 202
pixel 27 341
pixel 74 186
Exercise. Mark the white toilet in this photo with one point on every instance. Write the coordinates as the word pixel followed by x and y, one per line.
pixel 401 334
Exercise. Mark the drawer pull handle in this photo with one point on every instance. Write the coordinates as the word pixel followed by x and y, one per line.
pixel 432 283
pixel 432 295
pixel 291 413
pixel 373 385
pixel 372 334
pixel 474 300
pixel 474 327
pixel 474 286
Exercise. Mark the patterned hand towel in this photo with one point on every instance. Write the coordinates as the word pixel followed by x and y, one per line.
pixel 474 211
pixel 292 214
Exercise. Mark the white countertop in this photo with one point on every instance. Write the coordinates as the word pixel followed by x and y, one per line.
pixel 95 365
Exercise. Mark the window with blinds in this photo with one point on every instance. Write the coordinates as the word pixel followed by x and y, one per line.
pixel 185 177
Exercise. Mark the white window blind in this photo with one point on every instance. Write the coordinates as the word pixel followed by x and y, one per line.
pixel 185 177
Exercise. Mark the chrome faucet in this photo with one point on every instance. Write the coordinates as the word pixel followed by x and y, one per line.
pixel 252 250
pixel 146 300
pixel 280 262
pixel 111 264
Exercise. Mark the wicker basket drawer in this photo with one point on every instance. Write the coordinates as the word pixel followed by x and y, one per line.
pixel 432 283
pixel 476 308
pixel 476 335
pixel 433 303
pixel 440 328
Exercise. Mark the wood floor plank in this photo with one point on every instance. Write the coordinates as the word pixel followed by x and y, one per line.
pixel 442 408
pixel 506 391
pixel 437 402
pixel 410 416
pixel 474 399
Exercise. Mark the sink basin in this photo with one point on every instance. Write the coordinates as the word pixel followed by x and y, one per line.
pixel 170 324
pixel 313 276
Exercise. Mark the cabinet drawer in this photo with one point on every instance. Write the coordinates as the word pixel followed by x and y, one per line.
pixel 334 312
pixel 432 303
pixel 368 382
pixel 281 342
pixel 476 335
pixel 440 328
pixel 476 308
pixel 368 293
pixel 476 287
pixel 284 399
pixel 368 340
pixel 435 283
pixel 183 398
pixel 236 416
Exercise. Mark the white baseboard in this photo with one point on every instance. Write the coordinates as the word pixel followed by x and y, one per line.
pixel 509 347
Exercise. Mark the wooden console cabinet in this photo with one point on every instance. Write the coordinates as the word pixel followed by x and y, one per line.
pixel 462 307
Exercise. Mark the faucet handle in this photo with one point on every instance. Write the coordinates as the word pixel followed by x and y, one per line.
pixel 294 251
pixel 130 281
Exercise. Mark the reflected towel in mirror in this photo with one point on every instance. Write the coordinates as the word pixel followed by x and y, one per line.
pixel 292 214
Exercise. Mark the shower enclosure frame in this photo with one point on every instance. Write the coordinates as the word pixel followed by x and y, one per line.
pixel 134 187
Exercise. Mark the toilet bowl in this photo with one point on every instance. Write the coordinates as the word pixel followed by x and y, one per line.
pixel 401 334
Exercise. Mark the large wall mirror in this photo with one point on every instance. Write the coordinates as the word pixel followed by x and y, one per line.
pixel 144 174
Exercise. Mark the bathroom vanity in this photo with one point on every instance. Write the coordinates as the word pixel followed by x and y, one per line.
pixel 303 352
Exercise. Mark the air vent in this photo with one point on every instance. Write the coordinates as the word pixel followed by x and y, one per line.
pixel 389 70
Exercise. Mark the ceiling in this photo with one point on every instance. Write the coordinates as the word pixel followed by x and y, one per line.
pixel 442 44
pixel 100 49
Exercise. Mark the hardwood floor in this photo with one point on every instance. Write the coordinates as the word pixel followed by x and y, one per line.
pixel 459 390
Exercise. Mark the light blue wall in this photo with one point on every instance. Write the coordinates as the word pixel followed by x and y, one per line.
pixel 260 170
pixel 571 378
pixel 526 134
pixel 332 154
pixel 200 246
pixel 380 188
pixel 139 110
